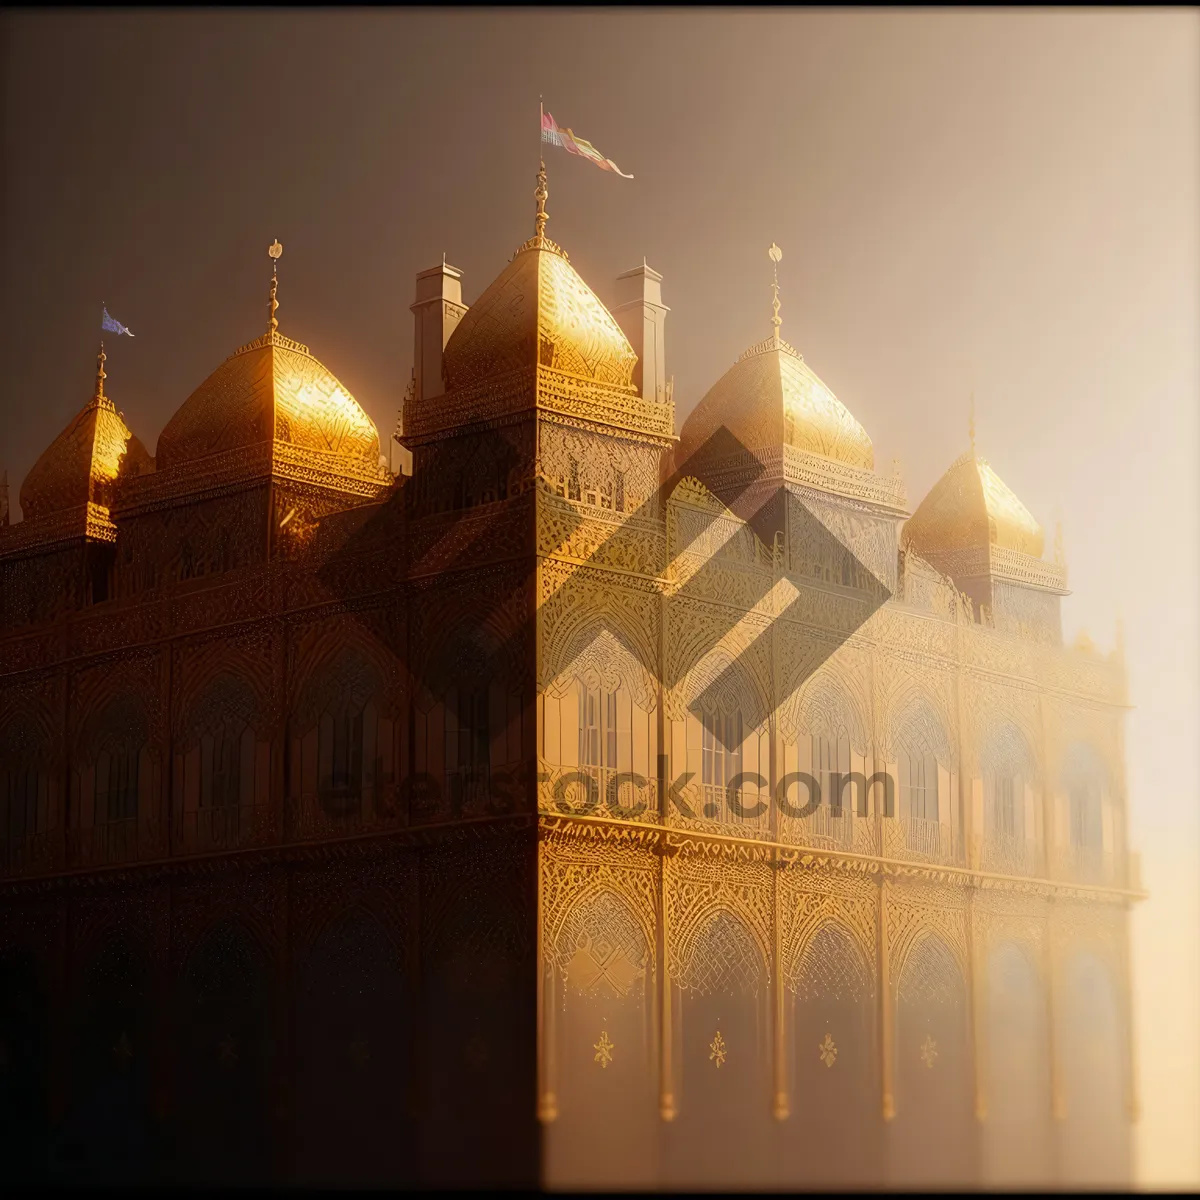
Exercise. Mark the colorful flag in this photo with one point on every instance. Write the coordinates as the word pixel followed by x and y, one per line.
pixel 112 325
pixel 576 145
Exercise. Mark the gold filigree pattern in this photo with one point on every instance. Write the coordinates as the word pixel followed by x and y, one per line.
pixel 718 1051
pixel 604 1050
pixel 827 1050
pixel 929 1051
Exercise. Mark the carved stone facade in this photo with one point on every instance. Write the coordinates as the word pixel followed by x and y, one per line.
pixel 524 818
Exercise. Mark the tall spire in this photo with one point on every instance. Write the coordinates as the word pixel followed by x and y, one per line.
pixel 98 396
pixel 540 194
pixel 775 254
pixel 275 249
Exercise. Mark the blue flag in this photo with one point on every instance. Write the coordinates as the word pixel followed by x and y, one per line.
pixel 112 325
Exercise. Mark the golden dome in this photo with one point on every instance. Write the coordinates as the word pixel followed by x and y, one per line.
pixel 969 507
pixel 273 391
pixel 538 311
pixel 81 465
pixel 771 397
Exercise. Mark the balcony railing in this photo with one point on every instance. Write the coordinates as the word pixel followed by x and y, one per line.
pixel 1088 865
pixel 824 831
pixel 920 840
pixel 605 795
pixel 227 827
pixel 1007 854
pixel 112 842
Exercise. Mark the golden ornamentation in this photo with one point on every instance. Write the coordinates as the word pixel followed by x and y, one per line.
pixel 81 466
pixel 604 1049
pixel 929 1051
pixel 828 1050
pixel 769 399
pixel 539 313
pixel 667 601
pixel 274 250
pixel 775 255
pixel 717 1051
pixel 969 508
pixel 273 394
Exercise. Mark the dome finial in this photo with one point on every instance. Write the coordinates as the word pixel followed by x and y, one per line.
pixel 775 254
pixel 971 425
pixel 539 221
pixel 275 249
pixel 100 375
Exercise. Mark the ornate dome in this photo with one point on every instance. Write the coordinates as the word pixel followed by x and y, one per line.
pixel 538 311
pixel 81 465
pixel 273 391
pixel 970 507
pixel 770 397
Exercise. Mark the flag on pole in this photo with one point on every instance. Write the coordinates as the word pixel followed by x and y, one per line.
pixel 112 325
pixel 576 145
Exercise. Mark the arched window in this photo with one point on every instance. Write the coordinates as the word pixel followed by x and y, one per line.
pixel 117 782
pixel 342 747
pixel 227 764
pixel 1009 818
pixel 721 747
pixel 468 740
pixel 830 759
pixel 1085 780
pixel 340 753
pixel 1086 832
pixel 222 766
pixel 919 785
pixel 114 783
pixel 598 728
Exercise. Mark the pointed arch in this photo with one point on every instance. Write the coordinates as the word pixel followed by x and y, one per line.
pixel 720 951
pixel 831 963
pixel 602 944
pixel 931 970
pixel 824 707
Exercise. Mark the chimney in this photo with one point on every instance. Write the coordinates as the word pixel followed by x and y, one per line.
pixel 437 310
pixel 641 314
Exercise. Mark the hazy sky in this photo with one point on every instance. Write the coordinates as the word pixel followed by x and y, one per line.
pixel 1004 202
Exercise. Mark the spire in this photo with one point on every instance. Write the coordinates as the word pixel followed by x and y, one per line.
pixel 275 249
pixel 98 396
pixel 971 425
pixel 775 254
pixel 539 221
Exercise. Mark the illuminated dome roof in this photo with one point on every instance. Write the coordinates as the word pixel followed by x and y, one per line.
pixel 273 391
pixel 83 462
pixel 770 397
pixel 969 507
pixel 538 311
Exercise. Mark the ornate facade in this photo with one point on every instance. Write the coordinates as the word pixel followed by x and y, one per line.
pixel 587 805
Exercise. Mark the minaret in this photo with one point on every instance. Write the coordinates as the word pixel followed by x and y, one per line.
pixel 642 316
